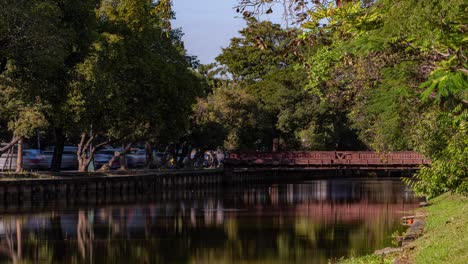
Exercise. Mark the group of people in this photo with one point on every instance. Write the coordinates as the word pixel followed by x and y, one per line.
pixel 209 159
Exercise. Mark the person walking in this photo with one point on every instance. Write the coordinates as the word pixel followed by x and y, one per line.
pixel 220 157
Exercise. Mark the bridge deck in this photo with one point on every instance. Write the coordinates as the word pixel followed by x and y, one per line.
pixel 328 159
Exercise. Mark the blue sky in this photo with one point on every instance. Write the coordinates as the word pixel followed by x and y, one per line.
pixel 208 25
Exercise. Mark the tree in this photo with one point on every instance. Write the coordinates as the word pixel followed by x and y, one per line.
pixel 264 61
pixel 294 11
pixel 392 71
pixel 135 84
pixel 447 135
pixel 32 51
pixel 399 62
pixel 263 47
pixel 42 42
pixel 261 62
pixel 78 24
pixel 233 113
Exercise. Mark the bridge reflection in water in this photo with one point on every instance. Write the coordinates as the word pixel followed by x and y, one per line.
pixel 306 222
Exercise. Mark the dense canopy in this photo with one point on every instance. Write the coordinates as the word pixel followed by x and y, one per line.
pixel 384 75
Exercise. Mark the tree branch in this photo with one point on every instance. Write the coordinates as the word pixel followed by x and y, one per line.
pixel 12 143
pixel 80 145
pixel 88 143
pixel 465 71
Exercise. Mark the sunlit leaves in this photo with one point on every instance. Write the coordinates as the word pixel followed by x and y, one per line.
pixel 262 47
pixel 135 83
pixel 449 171
pixel 444 83
pixel 234 112
pixel 321 64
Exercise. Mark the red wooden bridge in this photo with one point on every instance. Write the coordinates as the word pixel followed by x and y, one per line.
pixel 328 159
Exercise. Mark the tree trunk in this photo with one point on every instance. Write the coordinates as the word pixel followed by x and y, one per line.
pixel 108 165
pixel 117 155
pixel 12 143
pixel 18 239
pixel 81 154
pixel 123 157
pixel 58 150
pixel 149 155
pixel 19 157
pixel 86 150
pixel 83 165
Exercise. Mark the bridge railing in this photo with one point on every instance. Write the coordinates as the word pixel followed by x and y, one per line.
pixel 327 158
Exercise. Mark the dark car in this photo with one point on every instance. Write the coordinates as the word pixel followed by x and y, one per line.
pixel 69 158
pixel 136 158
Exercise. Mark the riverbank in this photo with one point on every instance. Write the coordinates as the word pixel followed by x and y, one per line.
pixel 444 239
pixel 70 174
pixel 315 172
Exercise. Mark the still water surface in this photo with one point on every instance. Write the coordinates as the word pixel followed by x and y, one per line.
pixel 305 222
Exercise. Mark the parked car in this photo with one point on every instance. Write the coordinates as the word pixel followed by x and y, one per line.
pixel 32 159
pixel 136 158
pixel 35 159
pixel 69 158
pixel 157 158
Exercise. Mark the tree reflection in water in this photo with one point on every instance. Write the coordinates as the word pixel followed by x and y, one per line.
pixel 308 222
pixel 85 235
pixel 12 247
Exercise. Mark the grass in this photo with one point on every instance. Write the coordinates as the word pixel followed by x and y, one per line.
pixel 20 176
pixel 369 259
pixel 445 238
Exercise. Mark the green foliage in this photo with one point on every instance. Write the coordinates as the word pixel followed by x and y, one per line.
pixel 321 64
pixel 30 55
pixel 111 67
pixel 213 76
pixel 449 170
pixel 278 94
pixel 384 117
pixel 403 65
pixel 264 85
pixel 232 110
pixel 443 83
pixel 262 48
pixel 264 63
pixel 368 259
pixel 133 68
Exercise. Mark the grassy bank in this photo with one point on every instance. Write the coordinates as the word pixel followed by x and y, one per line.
pixel 445 238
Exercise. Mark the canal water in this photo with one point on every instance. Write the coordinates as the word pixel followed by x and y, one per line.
pixel 300 222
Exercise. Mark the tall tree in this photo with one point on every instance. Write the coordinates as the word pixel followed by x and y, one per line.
pixel 395 72
pixel 261 48
pixel 264 61
pixel 32 51
pixel 404 65
pixel 78 22
pixel 229 118
pixel 135 84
